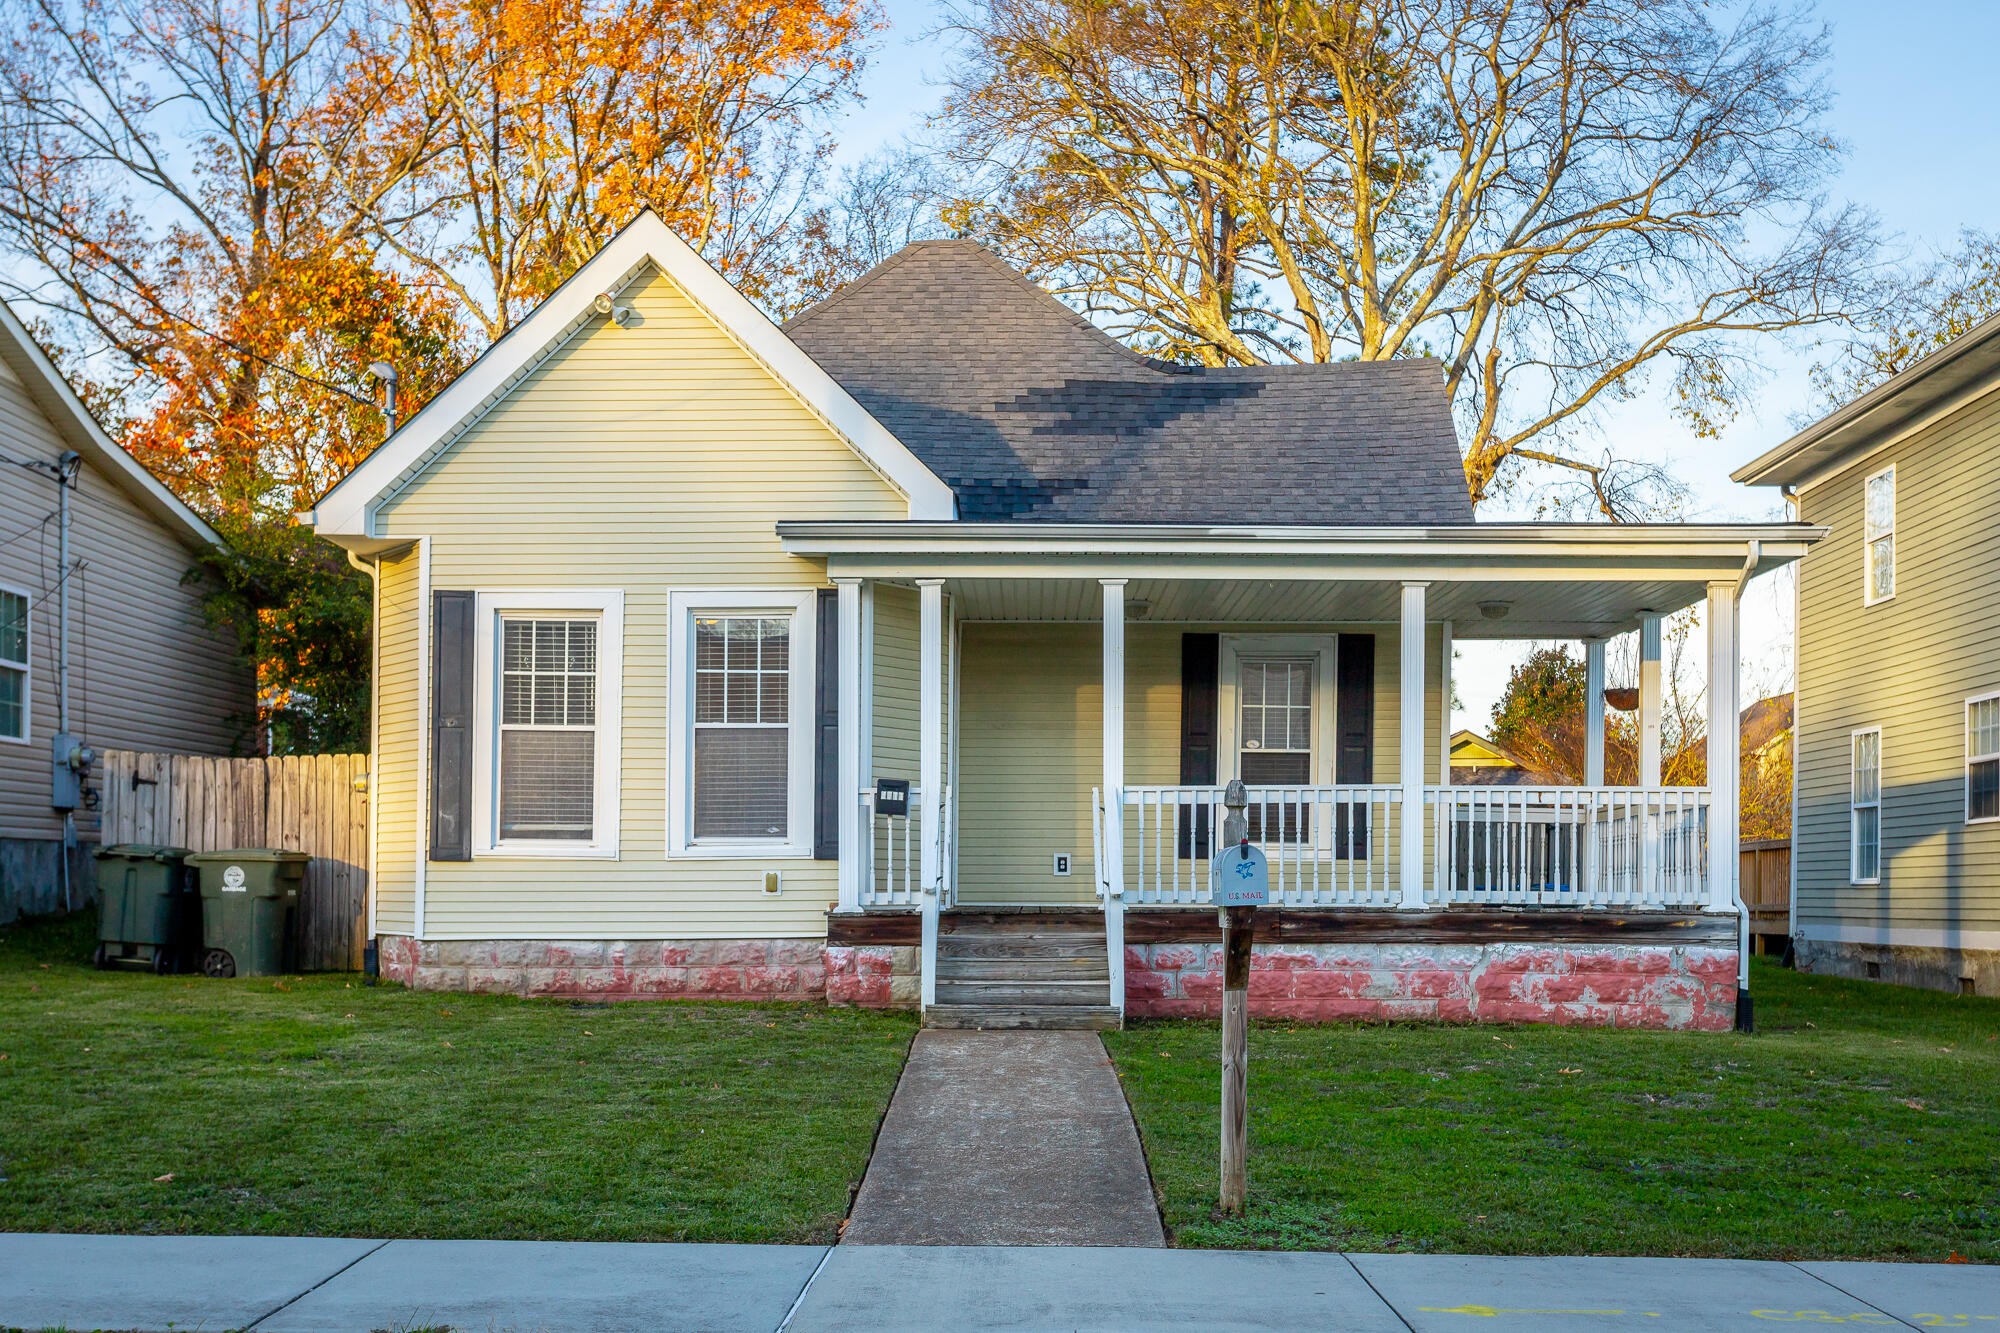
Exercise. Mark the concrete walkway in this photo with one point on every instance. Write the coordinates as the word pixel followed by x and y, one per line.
pixel 1007 1138
pixel 278 1285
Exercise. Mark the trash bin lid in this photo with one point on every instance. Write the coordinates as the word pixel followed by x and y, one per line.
pixel 140 851
pixel 238 855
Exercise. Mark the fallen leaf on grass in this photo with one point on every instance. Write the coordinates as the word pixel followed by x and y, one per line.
pixel 161 1180
pixel 446 1045
pixel 1569 1071
pixel 1912 1103
pixel 1953 1258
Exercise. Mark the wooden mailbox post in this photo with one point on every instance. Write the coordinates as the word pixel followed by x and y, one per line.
pixel 1240 883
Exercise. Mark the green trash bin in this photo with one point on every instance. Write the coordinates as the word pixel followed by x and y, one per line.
pixel 249 904
pixel 147 911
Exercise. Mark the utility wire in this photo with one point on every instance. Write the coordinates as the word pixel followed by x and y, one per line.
pixel 279 366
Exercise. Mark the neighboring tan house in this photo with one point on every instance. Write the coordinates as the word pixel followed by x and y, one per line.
pixel 1478 762
pixel 673 602
pixel 141 669
pixel 1896 821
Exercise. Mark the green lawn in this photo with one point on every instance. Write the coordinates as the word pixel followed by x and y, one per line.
pixel 322 1106
pixel 1861 1121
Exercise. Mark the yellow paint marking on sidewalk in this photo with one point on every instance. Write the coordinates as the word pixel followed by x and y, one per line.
pixel 1493 1311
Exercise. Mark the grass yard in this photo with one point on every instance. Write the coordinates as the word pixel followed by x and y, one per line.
pixel 320 1106
pixel 1861 1121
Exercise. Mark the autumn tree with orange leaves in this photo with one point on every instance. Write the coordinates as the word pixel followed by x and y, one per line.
pixel 220 212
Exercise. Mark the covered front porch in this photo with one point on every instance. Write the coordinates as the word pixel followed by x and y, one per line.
pixel 1080 698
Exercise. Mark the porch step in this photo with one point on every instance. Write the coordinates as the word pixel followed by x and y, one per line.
pixel 1027 969
pixel 1040 1017
pixel 1017 990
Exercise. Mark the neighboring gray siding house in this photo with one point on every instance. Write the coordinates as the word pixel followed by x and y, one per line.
pixel 1897 798
pixel 145 671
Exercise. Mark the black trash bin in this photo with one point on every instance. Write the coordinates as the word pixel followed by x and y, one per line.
pixel 147 912
pixel 249 906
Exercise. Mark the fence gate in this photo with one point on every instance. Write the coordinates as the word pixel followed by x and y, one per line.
pixel 301 803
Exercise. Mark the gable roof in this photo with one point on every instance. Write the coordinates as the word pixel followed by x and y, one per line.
pixel 1965 368
pixel 1031 412
pixel 81 431
pixel 348 509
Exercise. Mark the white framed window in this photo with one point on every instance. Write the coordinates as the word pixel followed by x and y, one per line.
pixel 1878 573
pixel 548 682
pixel 1982 759
pixel 16 677
pixel 740 701
pixel 1865 806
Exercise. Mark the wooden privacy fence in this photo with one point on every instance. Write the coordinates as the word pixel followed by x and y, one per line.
pixel 301 803
pixel 1764 874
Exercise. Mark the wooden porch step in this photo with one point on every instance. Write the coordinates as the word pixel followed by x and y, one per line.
pixel 1045 1018
pixel 1022 948
pixel 989 921
pixel 1093 966
pixel 1022 990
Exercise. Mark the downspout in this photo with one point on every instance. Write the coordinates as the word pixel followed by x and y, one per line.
pixel 1792 861
pixel 67 468
pixel 371 954
pixel 1746 1020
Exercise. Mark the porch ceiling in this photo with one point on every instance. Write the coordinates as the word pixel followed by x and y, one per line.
pixel 1545 580
pixel 1533 610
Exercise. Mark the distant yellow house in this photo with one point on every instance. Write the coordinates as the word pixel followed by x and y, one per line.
pixel 1477 761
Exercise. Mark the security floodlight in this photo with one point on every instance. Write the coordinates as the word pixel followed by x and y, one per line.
pixel 602 305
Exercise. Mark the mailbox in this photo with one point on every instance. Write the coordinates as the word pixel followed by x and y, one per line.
pixel 1239 876
pixel 892 797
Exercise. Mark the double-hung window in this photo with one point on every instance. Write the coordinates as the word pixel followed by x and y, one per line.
pixel 13 665
pixel 1982 758
pixel 742 692
pixel 1865 806
pixel 1879 532
pixel 549 678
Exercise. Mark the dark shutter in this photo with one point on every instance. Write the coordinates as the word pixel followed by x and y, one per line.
pixel 451 725
pixel 1354 735
pixel 1200 697
pixel 826 736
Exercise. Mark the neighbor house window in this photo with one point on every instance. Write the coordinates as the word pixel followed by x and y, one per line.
pixel 13 665
pixel 1982 758
pixel 1880 523
pixel 1865 806
pixel 743 699
pixel 549 674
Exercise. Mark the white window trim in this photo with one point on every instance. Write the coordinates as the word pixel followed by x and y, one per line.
pixel 1971 758
pixel 1868 597
pixel 1881 828
pixel 27 669
pixel 609 604
pixel 798 605
pixel 1236 647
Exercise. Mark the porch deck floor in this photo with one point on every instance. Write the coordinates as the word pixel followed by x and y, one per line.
pixel 1007 1138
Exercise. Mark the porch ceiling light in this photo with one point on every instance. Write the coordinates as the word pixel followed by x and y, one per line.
pixel 1495 610
pixel 1138 608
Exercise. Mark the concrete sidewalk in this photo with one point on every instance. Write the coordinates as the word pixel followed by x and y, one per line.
pixel 278 1285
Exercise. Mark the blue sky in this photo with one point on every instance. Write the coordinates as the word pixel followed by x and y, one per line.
pixel 1914 102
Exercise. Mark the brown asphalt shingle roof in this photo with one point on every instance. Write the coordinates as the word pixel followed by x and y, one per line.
pixel 1029 412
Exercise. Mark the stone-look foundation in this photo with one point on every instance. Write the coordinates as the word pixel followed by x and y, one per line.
pixel 1631 985
pixel 612 969
pixel 874 976
pixel 1957 971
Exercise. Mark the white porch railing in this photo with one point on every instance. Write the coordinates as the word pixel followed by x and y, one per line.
pixel 1580 847
pixel 894 854
pixel 1572 847
pixel 1328 846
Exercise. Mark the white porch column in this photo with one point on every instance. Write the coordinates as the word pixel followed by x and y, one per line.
pixel 1112 873
pixel 1593 712
pixel 1724 746
pixel 1444 708
pixel 1649 700
pixel 1410 761
pixel 853 830
pixel 930 767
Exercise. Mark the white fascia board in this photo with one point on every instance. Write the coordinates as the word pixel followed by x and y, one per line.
pixel 349 508
pixel 73 421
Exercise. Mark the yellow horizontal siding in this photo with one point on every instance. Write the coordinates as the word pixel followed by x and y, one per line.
pixel 1905 665
pixel 393 796
pixel 653 458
